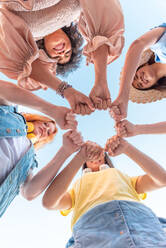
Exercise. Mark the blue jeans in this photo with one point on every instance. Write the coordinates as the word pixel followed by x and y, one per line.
pixel 13 124
pixel 118 224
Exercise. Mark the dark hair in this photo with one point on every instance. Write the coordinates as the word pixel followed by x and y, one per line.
pixel 76 40
pixel 107 161
pixel 161 83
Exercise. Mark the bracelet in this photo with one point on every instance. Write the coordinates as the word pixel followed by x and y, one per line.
pixel 62 87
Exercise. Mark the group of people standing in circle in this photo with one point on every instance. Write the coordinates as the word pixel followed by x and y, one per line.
pixel 40 40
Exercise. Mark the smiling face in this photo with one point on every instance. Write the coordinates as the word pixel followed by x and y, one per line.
pixel 95 164
pixel 43 129
pixel 145 77
pixel 58 46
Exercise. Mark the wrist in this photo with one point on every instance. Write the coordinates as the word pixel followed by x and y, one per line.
pixel 143 129
pixel 137 129
pixel 81 157
pixel 68 92
pixel 62 88
pixel 65 151
pixel 101 79
pixel 127 148
pixel 124 94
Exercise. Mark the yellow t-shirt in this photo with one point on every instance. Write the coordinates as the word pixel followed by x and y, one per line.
pixel 95 188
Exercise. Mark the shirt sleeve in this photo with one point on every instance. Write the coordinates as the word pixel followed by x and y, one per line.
pixel 142 196
pixel 18 50
pixel 67 211
pixel 102 22
pixel 18 4
pixel 159 48
pixel 163 25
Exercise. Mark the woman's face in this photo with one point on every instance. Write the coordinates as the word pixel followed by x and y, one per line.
pixel 145 77
pixel 58 46
pixel 43 129
pixel 95 164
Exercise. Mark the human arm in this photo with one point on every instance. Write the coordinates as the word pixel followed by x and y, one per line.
pixel 104 35
pixel 80 103
pixel 133 56
pixel 15 94
pixel 127 129
pixel 100 94
pixel 59 198
pixel 156 175
pixel 36 184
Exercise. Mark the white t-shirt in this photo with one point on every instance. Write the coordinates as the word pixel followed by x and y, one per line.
pixel 11 151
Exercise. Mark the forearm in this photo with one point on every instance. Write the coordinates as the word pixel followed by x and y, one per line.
pixel 41 74
pixel 37 184
pixel 132 59
pixel 151 167
pixel 61 183
pixel 100 63
pixel 156 128
pixel 13 93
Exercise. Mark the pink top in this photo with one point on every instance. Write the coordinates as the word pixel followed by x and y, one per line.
pixel 100 22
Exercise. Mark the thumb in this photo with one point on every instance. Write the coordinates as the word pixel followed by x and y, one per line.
pixel 90 104
pixel 72 105
pixel 67 134
pixel 109 103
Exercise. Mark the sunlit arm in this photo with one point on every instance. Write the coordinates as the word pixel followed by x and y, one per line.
pixel 55 196
pixel 100 64
pixel 156 128
pixel 156 175
pixel 15 94
pixel 36 184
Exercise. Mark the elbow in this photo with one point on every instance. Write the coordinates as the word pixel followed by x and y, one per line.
pixel 162 181
pixel 29 197
pixel 138 44
pixel 46 203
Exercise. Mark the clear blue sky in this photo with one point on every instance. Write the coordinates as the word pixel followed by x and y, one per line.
pixel 28 224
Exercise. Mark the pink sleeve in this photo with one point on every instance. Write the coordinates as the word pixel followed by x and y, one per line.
pixel 18 50
pixel 16 4
pixel 101 22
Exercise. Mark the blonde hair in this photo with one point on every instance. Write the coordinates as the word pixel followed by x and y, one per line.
pixel 35 117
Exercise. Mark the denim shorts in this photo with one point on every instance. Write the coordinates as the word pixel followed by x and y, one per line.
pixel 118 224
pixel 13 124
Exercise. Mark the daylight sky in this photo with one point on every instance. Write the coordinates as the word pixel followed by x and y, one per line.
pixel 28 224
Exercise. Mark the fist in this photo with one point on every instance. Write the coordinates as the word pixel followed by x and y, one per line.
pixel 125 129
pixel 115 146
pixel 72 141
pixel 91 151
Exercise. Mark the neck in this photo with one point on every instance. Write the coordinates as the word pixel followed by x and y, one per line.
pixel 160 69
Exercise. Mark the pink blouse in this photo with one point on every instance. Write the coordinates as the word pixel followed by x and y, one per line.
pixel 22 22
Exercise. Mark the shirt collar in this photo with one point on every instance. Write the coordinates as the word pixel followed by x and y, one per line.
pixel 102 167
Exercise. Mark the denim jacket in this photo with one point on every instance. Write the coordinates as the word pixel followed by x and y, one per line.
pixel 13 124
